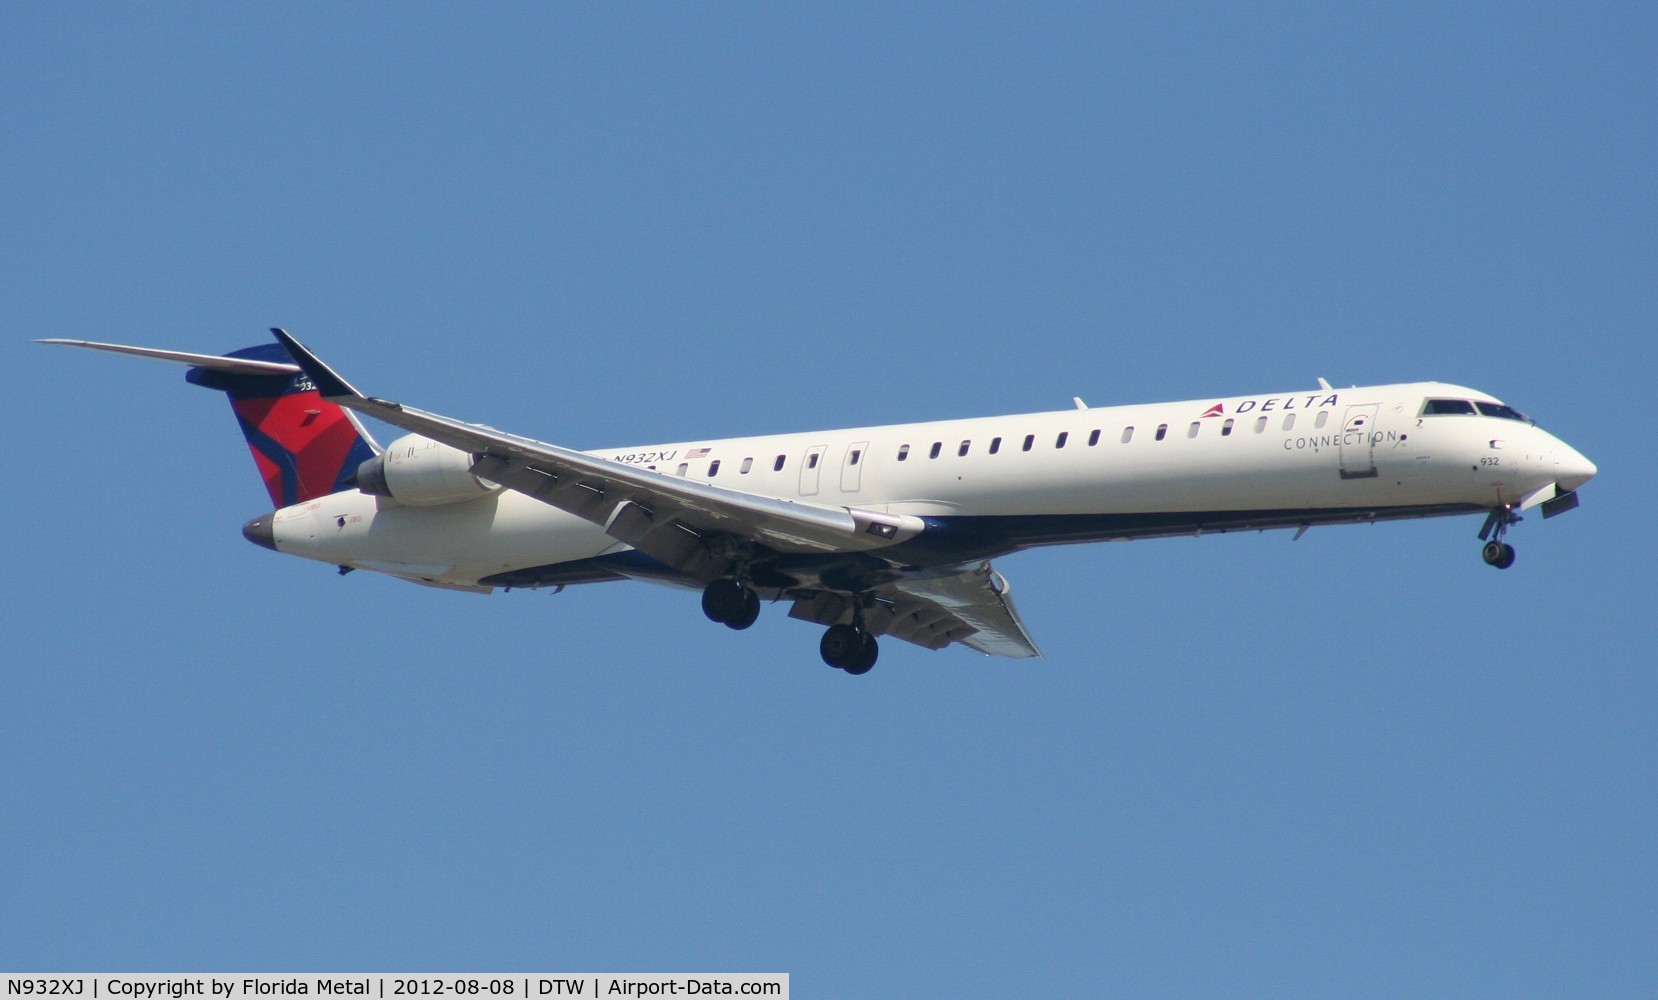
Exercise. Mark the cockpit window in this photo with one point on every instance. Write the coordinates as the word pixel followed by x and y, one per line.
pixel 1446 406
pixel 1499 410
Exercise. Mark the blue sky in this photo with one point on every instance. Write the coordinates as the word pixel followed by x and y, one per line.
pixel 1362 763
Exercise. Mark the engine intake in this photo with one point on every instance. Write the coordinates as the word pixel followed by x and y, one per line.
pixel 420 472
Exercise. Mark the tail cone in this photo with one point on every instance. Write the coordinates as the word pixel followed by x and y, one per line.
pixel 260 531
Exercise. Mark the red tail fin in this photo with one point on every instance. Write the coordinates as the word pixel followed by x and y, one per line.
pixel 305 447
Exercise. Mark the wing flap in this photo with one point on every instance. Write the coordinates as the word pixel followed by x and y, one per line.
pixel 970 607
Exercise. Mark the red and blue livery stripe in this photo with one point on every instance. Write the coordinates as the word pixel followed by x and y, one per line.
pixel 304 446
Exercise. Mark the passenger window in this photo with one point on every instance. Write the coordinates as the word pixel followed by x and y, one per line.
pixel 857 453
pixel 1162 431
pixel 1128 434
pixel 1191 431
pixel 1289 421
pixel 811 460
pixel 962 451
pixel 903 452
pixel 1260 424
pixel 1226 428
pixel 713 468
pixel 748 463
pixel 1059 442
pixel 684 467
pixel 995 445
pixel 777 466
pixel 1030 439
pixel 938 446
pixel 1322 418
pixel 1093 438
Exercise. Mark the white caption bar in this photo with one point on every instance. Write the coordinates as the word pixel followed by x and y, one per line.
pixel 396 986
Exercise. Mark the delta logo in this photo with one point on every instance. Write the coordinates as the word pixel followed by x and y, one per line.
pixel 1311 402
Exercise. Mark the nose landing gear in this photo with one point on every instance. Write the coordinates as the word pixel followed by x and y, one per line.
pixel 1497 552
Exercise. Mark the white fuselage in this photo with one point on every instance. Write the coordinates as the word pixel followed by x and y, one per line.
pixel 1320 456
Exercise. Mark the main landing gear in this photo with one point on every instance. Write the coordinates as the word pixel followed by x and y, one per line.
pixel 734 604
pixel 1497 552
pixel 730 603
pixel 849 648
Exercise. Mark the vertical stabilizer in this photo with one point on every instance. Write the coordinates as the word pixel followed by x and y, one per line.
pixel 305 447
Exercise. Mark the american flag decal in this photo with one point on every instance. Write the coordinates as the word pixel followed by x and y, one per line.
pixel 697 452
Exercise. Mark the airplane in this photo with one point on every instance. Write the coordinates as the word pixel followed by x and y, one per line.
pixel 869 531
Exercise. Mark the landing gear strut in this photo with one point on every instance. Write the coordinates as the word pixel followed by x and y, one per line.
pixel 1497 552
pixel 730 603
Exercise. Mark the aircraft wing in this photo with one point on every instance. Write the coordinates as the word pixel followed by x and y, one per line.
pixel 971 607
pixel 669 518
pixel 976 599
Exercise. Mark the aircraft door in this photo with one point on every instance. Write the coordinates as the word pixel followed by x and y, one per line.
pixel 811 470
pixel 1358 442
pixel 852 466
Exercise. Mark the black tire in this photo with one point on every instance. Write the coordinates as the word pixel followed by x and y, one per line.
pixel 841 645
pixel 749 614
pixel 1493 552
pixel 723 600
pixel 866 657
pixel 1507 558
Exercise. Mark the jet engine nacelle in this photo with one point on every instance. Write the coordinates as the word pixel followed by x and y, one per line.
pixel 420 472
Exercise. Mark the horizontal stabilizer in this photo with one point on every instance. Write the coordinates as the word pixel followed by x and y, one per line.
pixel 215 362
pixel 304 446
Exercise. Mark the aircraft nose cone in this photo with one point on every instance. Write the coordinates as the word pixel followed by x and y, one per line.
pixel 1572 469
pixel 260 531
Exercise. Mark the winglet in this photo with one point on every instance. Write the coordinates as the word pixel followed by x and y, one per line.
pixel 329 385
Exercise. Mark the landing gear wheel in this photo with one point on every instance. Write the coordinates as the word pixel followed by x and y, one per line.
pixel 1497 552
pixel 866 657
pixel 842 646
pixel 751 611
pixel 725 601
